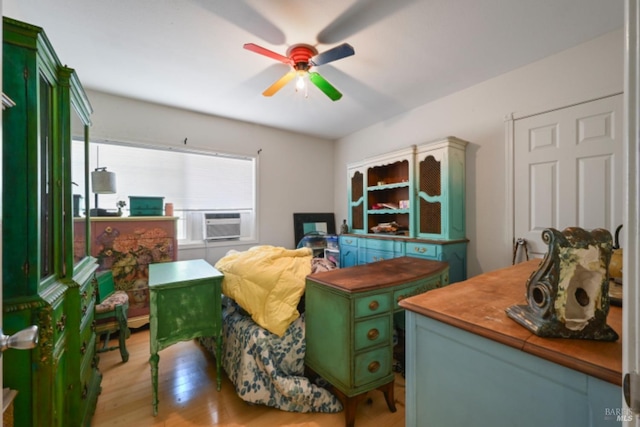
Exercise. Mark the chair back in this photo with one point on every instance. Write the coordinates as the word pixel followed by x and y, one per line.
pixel 106 286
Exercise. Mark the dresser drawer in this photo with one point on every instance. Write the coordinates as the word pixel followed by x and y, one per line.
pixel 348 241
pixel 424 250
pixel 88 351
pixel 372 304
pixel 415 289
pixel 394 246
pixel 87 300
pixel 87 366
pixel 369 333
pixel 59 320
pixel 87 335
pixel 367 256
pixel 372 365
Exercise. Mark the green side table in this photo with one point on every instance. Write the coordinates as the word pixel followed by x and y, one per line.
pixel 185 303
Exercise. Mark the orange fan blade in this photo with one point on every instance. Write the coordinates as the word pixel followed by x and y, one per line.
pixel 279 84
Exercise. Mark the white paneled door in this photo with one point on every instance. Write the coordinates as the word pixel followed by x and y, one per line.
pixel 568 170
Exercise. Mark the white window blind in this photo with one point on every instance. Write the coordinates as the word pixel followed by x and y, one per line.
pixel 195 182
pixel 189 180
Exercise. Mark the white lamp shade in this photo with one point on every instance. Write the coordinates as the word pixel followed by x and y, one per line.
pixel 103 182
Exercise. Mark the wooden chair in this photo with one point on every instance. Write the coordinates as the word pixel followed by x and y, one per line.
pixel 111 314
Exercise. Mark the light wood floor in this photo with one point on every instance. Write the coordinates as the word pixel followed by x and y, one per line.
pixel 188 395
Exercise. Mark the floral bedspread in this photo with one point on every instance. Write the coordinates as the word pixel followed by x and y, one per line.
pixel 266 369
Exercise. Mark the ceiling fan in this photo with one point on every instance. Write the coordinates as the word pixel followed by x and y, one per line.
pixel 301 57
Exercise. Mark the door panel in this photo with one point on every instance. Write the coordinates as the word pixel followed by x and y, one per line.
pixel 568 170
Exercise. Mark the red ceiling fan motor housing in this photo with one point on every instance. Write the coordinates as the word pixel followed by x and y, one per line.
pixel 300 55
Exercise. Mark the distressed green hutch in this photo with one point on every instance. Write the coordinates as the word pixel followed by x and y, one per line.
pixel 48 274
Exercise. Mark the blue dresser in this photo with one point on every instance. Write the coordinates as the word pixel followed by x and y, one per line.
pixel 468 363
pixel 363 249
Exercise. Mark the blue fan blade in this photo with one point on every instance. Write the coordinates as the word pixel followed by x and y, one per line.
pixel 334 54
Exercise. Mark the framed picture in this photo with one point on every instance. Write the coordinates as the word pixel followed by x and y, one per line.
pixel 305 223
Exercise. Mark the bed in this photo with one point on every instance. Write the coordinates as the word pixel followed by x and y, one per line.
pixel 263 349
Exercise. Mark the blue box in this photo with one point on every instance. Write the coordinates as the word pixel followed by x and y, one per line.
pixel 332 242
pixel 145 206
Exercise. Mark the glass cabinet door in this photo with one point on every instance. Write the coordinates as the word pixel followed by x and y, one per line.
pixel 46 177
pixel 79 191
pixel 76 146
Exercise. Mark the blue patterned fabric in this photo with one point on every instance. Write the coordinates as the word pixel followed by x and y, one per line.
pixel 266 369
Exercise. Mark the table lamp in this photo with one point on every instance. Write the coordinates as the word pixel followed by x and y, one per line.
pixel 102 182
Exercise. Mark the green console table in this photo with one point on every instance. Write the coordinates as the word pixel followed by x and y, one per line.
pixel 185 303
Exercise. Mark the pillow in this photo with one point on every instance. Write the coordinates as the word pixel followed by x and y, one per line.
pixel 267 282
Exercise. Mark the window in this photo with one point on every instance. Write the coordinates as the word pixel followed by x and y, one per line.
pixel 196 182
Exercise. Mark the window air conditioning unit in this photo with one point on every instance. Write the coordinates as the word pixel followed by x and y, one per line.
pixel 221 226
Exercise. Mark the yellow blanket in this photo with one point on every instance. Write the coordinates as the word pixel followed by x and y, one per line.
pixel 267 281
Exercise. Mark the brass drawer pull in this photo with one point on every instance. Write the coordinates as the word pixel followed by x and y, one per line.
pixel 416 291
pixel 60 323
pixel 420 250
pixel 373 366
pixel 373 305
pixel 373 334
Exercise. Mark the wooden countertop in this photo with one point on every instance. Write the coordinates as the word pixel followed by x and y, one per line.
pixel 380 274
pixel 478 306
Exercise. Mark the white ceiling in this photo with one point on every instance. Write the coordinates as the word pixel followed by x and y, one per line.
pixel 189 54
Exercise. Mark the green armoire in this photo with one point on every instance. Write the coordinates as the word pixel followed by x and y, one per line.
pixel 48 275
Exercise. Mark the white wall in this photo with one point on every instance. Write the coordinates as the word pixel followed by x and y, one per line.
pixel 295 171
pixel 477 114
pixel 304 174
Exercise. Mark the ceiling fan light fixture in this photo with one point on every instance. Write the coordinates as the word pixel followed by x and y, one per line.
pixel 301 82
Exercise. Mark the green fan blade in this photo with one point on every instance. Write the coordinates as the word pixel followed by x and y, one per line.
pixel 279 84
pixel 324 86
